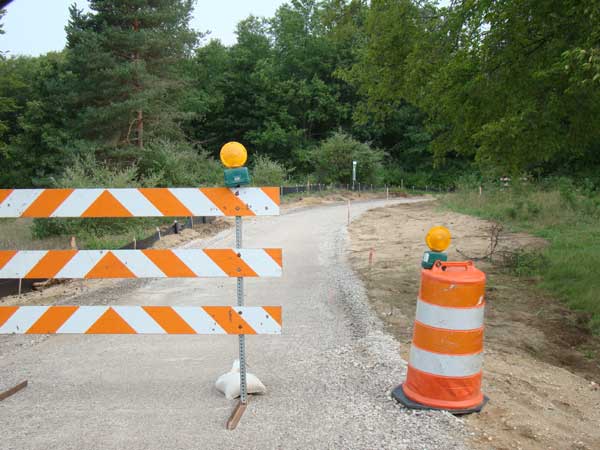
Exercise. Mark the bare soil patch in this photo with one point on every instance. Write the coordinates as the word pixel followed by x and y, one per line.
pixel 541 368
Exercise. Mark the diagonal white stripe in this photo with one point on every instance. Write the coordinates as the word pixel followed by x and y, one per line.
pixel 138 263
pixel 135 202
pixel 260 262
pixel 445 365
pixel 259 320
pixel 81 264
pixel 18 201
pixel 199 320
pixel 138 319
pixel 20 264
pixel 195 200
pixel 259 202
pixel 82 319
pixel 199 263
pixel 22 319
pixel 76 203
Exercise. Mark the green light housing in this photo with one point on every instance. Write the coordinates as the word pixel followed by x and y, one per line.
pixel 237 177
pixel 430 257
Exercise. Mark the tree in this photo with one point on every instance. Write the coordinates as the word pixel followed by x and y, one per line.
pixel 125 56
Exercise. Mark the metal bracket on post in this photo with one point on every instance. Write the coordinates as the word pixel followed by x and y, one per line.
pixel 241 406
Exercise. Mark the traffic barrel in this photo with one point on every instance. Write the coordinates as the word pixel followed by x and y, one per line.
pixel 445 363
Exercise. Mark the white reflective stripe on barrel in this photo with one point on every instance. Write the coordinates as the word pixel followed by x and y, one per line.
pixel 445 365
pixel 459 319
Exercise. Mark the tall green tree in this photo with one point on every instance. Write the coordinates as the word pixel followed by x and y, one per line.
pixel 125 55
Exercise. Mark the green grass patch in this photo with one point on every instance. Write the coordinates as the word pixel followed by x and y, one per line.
pixel 568 217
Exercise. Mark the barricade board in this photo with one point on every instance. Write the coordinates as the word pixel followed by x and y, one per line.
pixel 140 202
pixel 149 263
pixel 140 320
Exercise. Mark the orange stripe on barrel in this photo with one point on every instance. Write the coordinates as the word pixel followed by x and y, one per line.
pixel 6 256
pixel 448 342
pixel 47 202
pixel 443 392
pixel 230 263
pixel 227 202
pixel 52 319
pixel 169 263
pixel 228 319
pixel 6 312
pixel 274 312
pixel 165 202
pixel 276 254
pixel 106 205
pixel 272 193
pixel 5 193
pixel 451 294
pixel 169 320
pixel 51 263
pixel 110 323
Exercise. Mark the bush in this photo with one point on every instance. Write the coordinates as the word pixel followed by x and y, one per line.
pixel 171 164
pixel 267 172
pixel 333 161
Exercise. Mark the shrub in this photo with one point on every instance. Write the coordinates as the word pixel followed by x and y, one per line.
pixel 267 172
pixel 333 161
pixel 171 164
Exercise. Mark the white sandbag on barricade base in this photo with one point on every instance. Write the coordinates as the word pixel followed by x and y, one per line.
pixel 229 383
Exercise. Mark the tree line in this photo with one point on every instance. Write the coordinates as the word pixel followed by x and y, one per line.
pixel 413 90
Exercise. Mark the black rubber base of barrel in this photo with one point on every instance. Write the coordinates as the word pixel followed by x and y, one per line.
pixel 399 395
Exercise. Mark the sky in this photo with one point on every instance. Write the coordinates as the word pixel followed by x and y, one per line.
pixel 33 27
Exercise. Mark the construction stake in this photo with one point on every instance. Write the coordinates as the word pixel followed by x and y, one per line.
pixel 13 390
pixel 236 415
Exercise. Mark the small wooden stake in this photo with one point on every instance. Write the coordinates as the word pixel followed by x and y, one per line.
pixel 236 415
pixel 13 390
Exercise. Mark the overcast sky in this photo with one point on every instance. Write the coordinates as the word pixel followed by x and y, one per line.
pixel 33 27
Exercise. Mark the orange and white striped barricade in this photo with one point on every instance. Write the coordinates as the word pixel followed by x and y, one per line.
pixel 152 263
pixel 445 363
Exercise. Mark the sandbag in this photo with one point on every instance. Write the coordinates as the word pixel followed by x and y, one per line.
pixel 229 383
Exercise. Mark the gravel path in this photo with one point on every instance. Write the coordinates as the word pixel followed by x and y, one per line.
pixel 328 376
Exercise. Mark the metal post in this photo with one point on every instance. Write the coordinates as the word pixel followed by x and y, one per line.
pixel 240 302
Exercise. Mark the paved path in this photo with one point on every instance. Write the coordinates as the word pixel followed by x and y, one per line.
pixel 328 376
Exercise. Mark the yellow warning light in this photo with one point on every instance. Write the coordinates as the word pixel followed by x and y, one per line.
pixel 233 154
pixel 438 239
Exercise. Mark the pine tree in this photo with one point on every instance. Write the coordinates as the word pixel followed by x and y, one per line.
pixel 125 56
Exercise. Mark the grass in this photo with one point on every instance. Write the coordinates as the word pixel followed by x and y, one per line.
pixel 567 217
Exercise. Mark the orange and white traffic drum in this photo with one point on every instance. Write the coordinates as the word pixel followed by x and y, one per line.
pixel 445 364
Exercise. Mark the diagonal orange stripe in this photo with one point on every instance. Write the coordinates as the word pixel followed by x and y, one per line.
pixel 51 263
pixel 169 320
pixel 230 262
pixel 165 202
pixel 276 254
pixel 169 263
pixel 229 320
pixel 5 193
pixel 52 319
pixel 6 256
pixel 6 312
pixel 110 267
pixel 447 342
pixel 47 202
pixel 110 323
pixel 273 193
pixel 274 312
pixel 227 202
pixel 106 205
